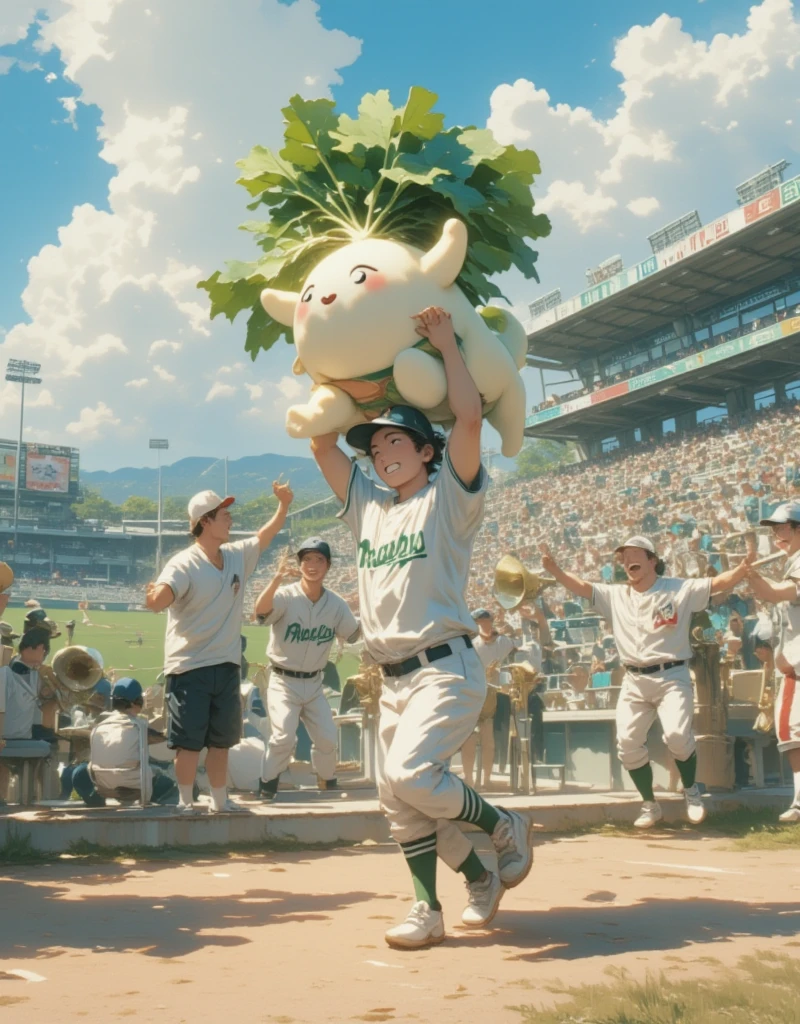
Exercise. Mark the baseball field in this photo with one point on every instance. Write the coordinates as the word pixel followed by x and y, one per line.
pixel 132 643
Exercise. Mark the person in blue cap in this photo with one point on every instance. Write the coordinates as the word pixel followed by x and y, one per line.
pixel 114 768
pixel 305 618
pixel 414 532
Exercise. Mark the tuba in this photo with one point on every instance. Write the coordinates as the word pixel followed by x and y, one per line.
pixel 513 583
pixel 73 675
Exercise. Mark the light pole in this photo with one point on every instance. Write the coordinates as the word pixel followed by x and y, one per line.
pixel 160 444
pixel 19 371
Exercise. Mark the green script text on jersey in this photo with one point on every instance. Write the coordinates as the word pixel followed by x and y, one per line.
pixel 405 548
pixel 295 634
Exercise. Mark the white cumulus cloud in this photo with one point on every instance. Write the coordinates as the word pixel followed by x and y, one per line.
pixel 127 269
pixel 91 421
pixel 220 390
pixel 695 117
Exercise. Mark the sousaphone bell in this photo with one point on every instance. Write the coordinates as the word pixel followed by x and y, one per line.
pixel 73 675
pixel 513 583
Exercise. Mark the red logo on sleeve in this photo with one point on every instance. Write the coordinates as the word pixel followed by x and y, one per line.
pixel 665 616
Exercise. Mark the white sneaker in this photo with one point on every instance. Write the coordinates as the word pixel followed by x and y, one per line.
pixel 512 842
pixel 695 808
pixel 648 816
pixel 791 814
pixel 422 928
pixel 483 900
pixel 189 809
pixel 229 807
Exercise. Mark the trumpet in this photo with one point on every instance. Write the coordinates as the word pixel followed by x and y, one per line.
pixel 513 583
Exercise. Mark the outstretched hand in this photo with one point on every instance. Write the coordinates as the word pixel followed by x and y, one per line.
pixel 283 492
pixel 435 324
pixel 548 562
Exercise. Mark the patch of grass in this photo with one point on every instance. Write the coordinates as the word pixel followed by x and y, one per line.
pixel 743 824
pixel 19 850
pixel 763 989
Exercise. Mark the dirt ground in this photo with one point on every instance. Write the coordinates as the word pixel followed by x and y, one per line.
pixel 299 937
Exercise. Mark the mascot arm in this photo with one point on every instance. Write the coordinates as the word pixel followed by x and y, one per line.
pixel 328 409
pixel 420 378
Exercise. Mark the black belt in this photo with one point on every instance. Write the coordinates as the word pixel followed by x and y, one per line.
pixel 294 675
pixel 651 670
pixel 401 668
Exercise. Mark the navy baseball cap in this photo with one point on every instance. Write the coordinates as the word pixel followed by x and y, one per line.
pixel 404 417
pixel 127 689
pixel 315 544
pixel 481 613
pixel 788 512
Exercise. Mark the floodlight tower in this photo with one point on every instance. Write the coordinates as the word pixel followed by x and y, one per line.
pixel 160 444
pixel 20 371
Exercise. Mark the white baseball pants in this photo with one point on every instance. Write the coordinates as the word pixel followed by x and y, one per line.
pixel 289 701
pixel 426 716
pixel 670 697
pixel 787 713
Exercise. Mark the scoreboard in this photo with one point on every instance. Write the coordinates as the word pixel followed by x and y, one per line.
pixel 47 472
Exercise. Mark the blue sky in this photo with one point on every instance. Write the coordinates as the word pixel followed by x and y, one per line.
pixel 450 45
pixel 110 250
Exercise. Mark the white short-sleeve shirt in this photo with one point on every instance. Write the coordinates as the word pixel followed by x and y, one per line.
pixel 303 630
pixel 413 560
pixel 19 692
pixel 204 622
pixel 652 627
pixel 495 650
pixel 788 613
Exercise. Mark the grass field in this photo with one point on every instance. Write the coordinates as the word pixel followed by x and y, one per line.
pixel 119 642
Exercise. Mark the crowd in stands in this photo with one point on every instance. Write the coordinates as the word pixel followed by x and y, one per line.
pixel 649 362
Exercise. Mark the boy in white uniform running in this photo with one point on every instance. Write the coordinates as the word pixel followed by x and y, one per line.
pixel 650 617
pixel 305 618
pixel 415 540
pixel 785 523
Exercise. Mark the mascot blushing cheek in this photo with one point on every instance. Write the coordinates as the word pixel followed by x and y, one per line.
pixel 355 338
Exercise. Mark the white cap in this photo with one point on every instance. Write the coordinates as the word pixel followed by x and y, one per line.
pixel 638 542
pixel 788 512
pixel 203 503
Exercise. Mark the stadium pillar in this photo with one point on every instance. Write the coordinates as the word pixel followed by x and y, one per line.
pixel 739 400
pixel 160 444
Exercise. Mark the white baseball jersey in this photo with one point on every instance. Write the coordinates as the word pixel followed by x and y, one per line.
pixel 115 748
pixel 19 700
pixel 204 622
pixel 788 618
pixel 651 628
pixel 413 560
pixel 495 650
pixel 303 630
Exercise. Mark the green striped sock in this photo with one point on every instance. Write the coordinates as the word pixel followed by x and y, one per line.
pixel 473 868
pixel 477 811
pixel 688 770
pixel 421 859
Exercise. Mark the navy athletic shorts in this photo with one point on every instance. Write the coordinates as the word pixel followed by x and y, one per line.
pixel 205 707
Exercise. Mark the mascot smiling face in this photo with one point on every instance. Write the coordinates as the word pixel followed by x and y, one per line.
pixel 355 337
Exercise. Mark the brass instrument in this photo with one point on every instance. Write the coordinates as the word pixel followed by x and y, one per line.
pixel 6 576
pixel 523 679
pixel 765 719
pixel 368 683
pixel 513 583
pixel 72 676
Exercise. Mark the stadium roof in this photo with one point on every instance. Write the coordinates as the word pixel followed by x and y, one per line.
pixel 762 358
pixel 747 248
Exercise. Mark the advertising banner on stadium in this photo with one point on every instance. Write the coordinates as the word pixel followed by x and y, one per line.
pixel 726 349
pixel 788 192
pixel 49 471
pixel 45 471
pixel 8 467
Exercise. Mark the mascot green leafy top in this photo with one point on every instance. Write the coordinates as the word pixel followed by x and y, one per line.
pixel 369 221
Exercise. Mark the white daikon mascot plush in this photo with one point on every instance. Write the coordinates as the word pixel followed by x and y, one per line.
pixel 355 338
pixel 362 223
